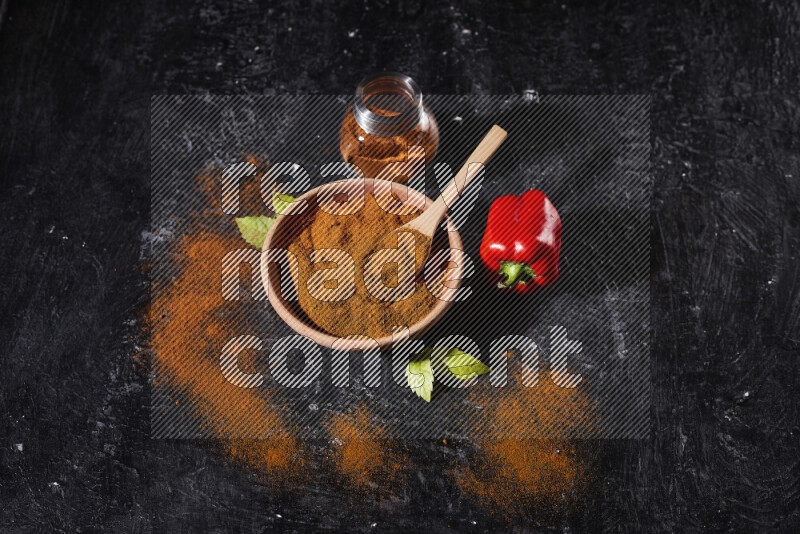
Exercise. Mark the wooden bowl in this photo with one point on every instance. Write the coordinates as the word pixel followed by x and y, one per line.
pixel 280 234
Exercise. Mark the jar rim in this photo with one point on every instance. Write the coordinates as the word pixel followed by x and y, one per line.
pixel 387 125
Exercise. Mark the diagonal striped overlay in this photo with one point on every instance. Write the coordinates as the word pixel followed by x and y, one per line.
pixel 571 360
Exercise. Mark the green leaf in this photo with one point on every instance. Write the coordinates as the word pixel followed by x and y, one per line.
pixel 254 229
pixel 463 365
pixel 420 375
pixel 280 202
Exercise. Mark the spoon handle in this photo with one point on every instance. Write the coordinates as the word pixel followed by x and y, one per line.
pixel 471 168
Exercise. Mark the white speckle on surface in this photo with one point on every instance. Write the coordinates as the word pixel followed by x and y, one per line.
pixel 746 394
pixel 19 447
pixel 466 31
pixel 50 231
pixel 64 237
pixel 55 487
pixel 373 525
pixel 219 63
pixel 313 407
pixel 257 48
pixel 351 34
pixel 530 95
pixel 360 137
pixel 159 236
pixel 279 516
pixel 457 118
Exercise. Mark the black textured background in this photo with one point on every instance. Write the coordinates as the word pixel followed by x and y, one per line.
pixel 75 86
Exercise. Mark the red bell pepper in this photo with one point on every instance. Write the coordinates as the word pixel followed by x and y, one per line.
pixel 522 242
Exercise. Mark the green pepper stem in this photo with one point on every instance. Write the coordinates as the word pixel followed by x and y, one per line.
pixel 515 273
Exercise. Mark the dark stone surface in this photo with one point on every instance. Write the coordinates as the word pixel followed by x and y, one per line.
pixel 75 84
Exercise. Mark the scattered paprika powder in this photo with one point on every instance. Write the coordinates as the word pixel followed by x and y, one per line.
pixel 187 328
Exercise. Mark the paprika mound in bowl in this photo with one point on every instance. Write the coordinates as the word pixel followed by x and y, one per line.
pixel 322 242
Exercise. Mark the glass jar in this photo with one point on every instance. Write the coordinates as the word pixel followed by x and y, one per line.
pixel 386 118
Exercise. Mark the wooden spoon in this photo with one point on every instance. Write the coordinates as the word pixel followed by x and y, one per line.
pixel 424 226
